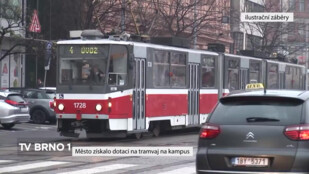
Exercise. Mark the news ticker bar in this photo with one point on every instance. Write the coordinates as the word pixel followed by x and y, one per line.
pixel 24 147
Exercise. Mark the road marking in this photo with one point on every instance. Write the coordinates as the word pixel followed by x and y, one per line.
pixel 5 161
pixel 186 170
pixel 30 166
pixel 101 169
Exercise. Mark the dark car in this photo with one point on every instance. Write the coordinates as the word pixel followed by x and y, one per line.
pixel 256 132
pixel 39 103
pixel 14 109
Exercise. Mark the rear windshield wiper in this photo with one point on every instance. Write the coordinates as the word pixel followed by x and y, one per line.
pixel 260 119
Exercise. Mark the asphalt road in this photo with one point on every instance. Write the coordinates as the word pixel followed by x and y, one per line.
pixel 13 160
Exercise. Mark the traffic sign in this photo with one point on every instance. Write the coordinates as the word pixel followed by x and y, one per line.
pixel 35 25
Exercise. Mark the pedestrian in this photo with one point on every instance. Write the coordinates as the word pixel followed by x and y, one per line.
pixel 39 83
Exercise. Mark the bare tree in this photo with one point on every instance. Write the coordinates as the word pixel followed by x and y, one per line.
pixel 10 19
pixel 271 37
pixel 106 14
pixel 176 17
pixel 164 18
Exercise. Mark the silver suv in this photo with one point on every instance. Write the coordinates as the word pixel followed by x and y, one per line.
pixel 14 109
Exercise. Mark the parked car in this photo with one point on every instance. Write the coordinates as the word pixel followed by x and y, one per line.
pixel 39 104
pixel 14 109
pixel 51 91
pixel 256 132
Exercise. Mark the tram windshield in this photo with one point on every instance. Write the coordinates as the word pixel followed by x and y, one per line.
pixel 83 64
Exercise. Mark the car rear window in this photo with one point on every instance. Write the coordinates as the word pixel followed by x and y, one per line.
pixel 16 97
pixel 258 110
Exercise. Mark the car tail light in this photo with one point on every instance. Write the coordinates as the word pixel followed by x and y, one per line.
pixel 11 102
pixel 51 104
pixel 297 132
pixel 209 131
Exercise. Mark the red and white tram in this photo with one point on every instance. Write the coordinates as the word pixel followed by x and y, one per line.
pixel 116 88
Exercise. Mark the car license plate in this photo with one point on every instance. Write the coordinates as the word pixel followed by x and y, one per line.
pixel 250 162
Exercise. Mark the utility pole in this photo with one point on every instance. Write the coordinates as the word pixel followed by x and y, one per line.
pixel 123 15
pixel 194 27
pixel 307 59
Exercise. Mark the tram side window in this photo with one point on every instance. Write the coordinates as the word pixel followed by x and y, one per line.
pixel 161 68
pixel 118 65
pixel 208 71
pixel 178 69
pixel 254 75
pixel 288 77
pixel 169 70
pixel 293 78
pixel 273 77
pixel 232 74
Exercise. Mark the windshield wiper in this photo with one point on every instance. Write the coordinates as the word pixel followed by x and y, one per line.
pixel 260 119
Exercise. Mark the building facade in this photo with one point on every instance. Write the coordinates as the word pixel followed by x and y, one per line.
pixel 12 55
pixel 246 36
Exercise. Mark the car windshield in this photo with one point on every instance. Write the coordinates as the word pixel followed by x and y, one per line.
pixel 257 110
pixel 80 69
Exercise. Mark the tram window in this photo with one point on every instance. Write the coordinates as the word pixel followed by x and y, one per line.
pixel 83 69
pixel 254 75
pixel 295 78
pixel 161 72
pixel 232 80
pixel 118 65
pixel 288 77
pixel 178 69
pixel 169 70
pixel 273 76
pixel 208 72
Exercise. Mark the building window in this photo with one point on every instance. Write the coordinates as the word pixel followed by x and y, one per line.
pixel 301 5
pixel 254 7
pixel 291 5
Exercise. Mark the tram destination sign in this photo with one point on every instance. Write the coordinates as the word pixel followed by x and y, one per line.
pixel 74 51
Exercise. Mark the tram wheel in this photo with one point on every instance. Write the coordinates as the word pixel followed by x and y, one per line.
pixel 138 136
pixel 156 130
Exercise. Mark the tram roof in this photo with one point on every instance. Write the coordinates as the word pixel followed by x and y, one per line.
pixel 140 44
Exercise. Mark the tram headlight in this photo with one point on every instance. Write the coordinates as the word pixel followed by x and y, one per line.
pixel 98 107
pixel 61 107
pixel 55 104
